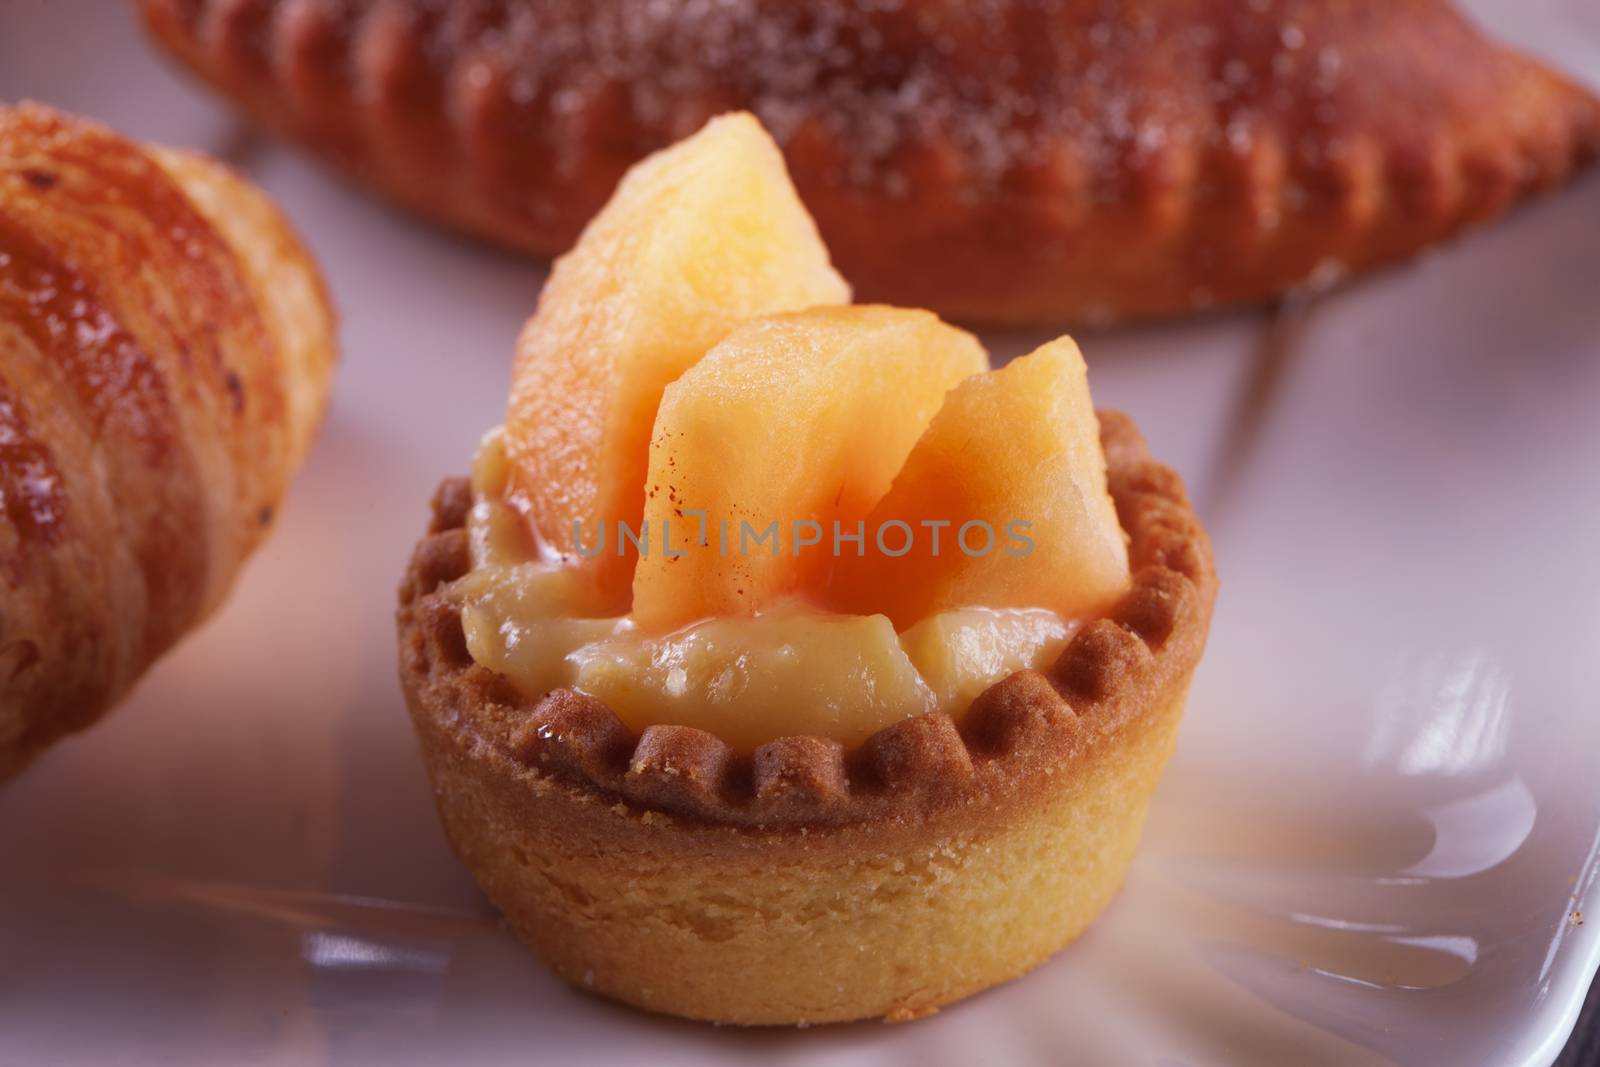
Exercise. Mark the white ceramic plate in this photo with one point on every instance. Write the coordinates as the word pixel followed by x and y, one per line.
pixel 1374 844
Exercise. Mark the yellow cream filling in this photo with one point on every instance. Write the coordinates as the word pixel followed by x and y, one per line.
pixel 792 670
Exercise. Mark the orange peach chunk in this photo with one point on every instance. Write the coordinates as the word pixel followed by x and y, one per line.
pixel 696 239
pixel 793 423
pixel 1012 463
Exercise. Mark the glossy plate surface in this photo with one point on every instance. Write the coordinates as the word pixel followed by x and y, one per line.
pixel 1376 843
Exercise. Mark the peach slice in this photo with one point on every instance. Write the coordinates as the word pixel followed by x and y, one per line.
pixel 1015 452
pixel 794 422
pixel 961 653
pixel 696 239
pixel 751 680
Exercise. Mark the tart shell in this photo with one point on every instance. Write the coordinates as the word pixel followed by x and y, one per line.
pixel 809 883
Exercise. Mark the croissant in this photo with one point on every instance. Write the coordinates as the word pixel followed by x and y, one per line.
pixel 166 346
pixel 1005 162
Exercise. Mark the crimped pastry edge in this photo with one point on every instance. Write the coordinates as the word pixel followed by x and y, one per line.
pixel 1030 723
pixel 442 121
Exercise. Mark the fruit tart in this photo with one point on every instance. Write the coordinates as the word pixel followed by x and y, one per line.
pixel 780 662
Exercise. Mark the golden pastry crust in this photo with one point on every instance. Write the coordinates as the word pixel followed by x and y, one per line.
pixel 165 353
pixel 807 883
pixel 1002 162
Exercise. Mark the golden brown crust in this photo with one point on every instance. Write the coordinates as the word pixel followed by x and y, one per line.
pixel 1004 162
pixel 165 350
pixel 1113 669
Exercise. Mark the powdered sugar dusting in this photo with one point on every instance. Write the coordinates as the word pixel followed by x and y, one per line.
pixel 1001 83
